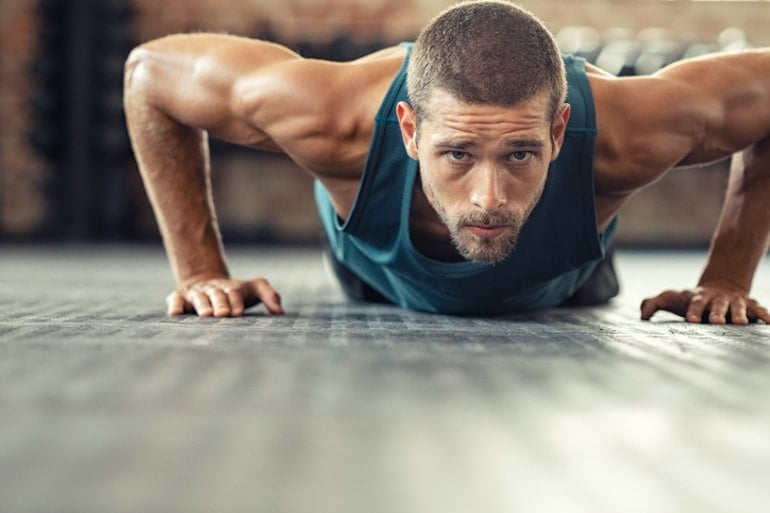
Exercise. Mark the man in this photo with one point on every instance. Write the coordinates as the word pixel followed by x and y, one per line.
pixel 492 187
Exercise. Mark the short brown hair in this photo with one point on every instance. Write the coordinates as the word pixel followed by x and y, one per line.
pixel 486 52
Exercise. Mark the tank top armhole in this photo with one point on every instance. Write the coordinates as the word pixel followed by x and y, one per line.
pixel 384 116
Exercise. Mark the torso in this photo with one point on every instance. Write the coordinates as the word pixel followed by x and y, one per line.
pixel 342 179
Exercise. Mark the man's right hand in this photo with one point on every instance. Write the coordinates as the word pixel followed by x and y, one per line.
pixel 223 297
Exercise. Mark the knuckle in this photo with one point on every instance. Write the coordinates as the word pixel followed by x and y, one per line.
pixel 720 303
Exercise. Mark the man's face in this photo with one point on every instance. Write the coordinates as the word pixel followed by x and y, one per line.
pixel 483 167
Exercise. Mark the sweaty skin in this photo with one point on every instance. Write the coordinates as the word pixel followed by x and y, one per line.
pixel 183 88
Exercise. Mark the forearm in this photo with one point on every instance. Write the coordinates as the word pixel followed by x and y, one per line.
pixel 174 164
pixel 743 234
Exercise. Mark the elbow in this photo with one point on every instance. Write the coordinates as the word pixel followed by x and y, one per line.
pixel 140 79
pixel 133 68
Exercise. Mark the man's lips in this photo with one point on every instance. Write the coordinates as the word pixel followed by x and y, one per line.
pixel 486 231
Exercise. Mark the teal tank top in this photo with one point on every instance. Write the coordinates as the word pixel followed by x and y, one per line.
pixel 558 247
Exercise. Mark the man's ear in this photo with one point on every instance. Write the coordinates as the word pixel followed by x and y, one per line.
pixel 407 121
pixel 559 128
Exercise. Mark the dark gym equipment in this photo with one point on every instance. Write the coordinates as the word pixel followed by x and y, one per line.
pixel 79 126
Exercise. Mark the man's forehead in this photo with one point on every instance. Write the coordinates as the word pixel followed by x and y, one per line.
pixel 447 117
pixel 444 108
pixel 439 97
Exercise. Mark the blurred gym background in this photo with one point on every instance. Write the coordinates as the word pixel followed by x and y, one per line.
pixel 67 172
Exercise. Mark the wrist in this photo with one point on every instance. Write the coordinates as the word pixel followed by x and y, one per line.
pixel 195 264
pixel 709 279
pixel 191 281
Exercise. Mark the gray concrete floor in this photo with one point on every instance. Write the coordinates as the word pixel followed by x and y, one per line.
pixel 106 405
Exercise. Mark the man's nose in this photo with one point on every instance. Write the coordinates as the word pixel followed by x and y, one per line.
pixel 488 193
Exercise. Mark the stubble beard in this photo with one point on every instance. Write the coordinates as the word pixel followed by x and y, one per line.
pixel 471 247
pixel 484 250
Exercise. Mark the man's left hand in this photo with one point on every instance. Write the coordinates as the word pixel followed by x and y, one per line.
pixel 707 304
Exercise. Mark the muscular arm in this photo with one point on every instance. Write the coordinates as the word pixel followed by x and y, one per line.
pixel 740 92
pixel 177 90
pixel 696 112
pixel 182 88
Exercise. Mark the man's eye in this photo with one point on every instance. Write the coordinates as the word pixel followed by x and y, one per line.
pixel 521 156
pixel 458 155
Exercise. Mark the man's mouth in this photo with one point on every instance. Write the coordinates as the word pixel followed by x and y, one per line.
pixel 484 231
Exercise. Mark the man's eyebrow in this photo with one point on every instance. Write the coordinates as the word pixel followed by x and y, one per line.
pixel 460 144
pixel 526 143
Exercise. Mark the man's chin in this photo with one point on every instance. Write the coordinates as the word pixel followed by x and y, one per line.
pixel 486 252
pixel 487 259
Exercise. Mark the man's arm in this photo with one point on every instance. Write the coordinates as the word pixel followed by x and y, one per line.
pixel 692 113
pixel 741 94
pixel 177 90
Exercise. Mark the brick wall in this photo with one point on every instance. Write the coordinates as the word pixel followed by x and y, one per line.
pixel 245 182
pixel 22 174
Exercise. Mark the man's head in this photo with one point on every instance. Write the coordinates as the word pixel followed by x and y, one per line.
pixel 487 86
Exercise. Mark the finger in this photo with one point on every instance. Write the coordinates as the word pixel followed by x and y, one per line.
pixel 235 298
pixel 201 303
pixel 652 304
pixel 758 312
pixel 669 300
pixel 175 304
pixel 267 294
pixel 649 307
pixel 718 310
pixel 738 312
pixel 220 304
pixel 696 309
